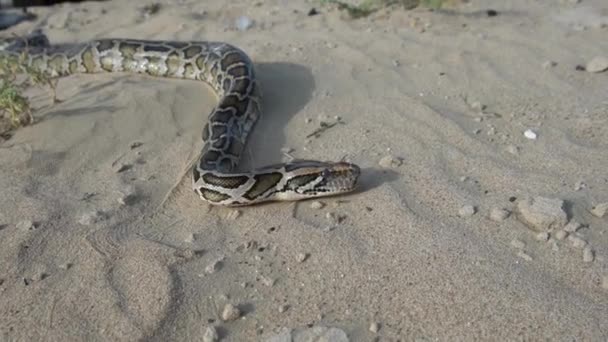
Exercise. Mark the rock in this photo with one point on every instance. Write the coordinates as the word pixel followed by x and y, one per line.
pixel 243 23
pixel 283 308
pixel 213 267
pixel 90 218
pixel 541 213
pixel 549 64
pixel 210 335
pixel 128 195
pixel 542 236
pixel 597 64
pixel 588 254
pixel 530 134
pixel 600 210
pixel 374 327
pixel 390 161
pixel 301 257
pixel 466 211
pixel 230 313
pixel 517 243
pixel 316 205
pixel 561 234
pixel 577 241
pixel 25 225
pixel 499 215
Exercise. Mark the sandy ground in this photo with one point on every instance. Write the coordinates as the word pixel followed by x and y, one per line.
pixel 98 243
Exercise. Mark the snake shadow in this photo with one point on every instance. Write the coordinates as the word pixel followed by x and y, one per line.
pixel 286 88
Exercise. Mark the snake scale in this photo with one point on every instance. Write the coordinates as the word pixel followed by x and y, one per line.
pixel 230 72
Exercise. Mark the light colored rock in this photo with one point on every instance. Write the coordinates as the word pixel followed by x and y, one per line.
pixel 572 226
pixel 541 213
pixel 597 64
pixel 390 161
pixel 230 313
pixel 530 134
pixel 91 217
pixel 561 234
pixel 466 211
pixel 577 241
pixel 25 225
pixel 517 243
pixel 549 64
pixel 316 205
pixel 588 254
pixel 542 236
pixel 499 214
pixel 600 210
pixel 210 335
pixel 301 257
pixel 374 327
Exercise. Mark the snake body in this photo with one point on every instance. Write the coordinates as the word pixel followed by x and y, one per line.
pixel 230 72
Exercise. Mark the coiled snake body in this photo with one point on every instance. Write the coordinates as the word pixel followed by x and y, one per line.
pixel 230 72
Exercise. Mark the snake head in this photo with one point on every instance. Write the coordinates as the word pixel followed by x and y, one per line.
pixel 307 179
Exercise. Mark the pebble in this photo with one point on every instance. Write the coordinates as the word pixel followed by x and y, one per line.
pixel 267 281
pixel 517 243
pixel 374 327
pixel 600 210
pixel 120 167
pixel 597 64
pixel 588 254
pixel 478 106
pixel 213 267
pixel 396 63
pixel 498 214
pixel 549 64
pixel 243 23
pixel 577 241
pixel 390 161
pixel 541 213
pixel 210 335
pixel 90 218
pixel 512 149
pixel 128 196
pixel 230 313
pixel 283 308
pixel 313 11
pixel 561 234
pixel 301 257
pixel 543 236
pixel 316 205
pixel 524 255
pixel 466 211
pixel 25 225
pixel 572 226
pixel 530 134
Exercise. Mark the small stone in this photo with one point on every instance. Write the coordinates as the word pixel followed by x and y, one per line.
pixel 572 226
pixel 477 106
pixel 128 196
pixel 561 234
pixel 267 281
pixel 466 211
pixel 308 120
pixel 230 313
pixel 542 236
pixel 283 308
pixel 90 218
pixel 213 267
pixel 597 64
pixel 512 149
pixel 301 257
pixel 577 241
pixel 210 335
pixel 499 214
pixel 390 161
pixel 580 185
pixel 600 210
pixel 541 213
pixel 396 63
pixel 549 64
pixel 588 254
pixel 524 255
pixel 374 327
pixel 517 243
pixel 316 205
pixel 243 23
pixel 25 225
pixel 530 134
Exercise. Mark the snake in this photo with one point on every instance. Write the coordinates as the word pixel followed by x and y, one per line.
pixel 229 71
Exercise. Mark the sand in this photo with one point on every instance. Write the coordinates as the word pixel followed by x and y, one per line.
pixel 102 238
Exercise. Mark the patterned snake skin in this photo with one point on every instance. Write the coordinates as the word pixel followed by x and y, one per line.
pixel 230 72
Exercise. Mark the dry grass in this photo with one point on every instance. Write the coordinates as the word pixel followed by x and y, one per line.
pixel 367 7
